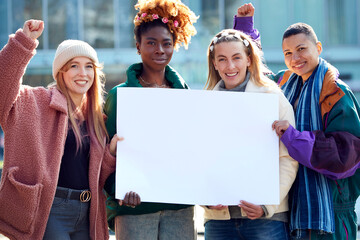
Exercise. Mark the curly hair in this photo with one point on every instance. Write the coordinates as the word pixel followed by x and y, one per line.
pixel 175 15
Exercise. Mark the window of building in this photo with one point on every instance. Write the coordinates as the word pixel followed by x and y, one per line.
pixel 98 19
pixel 210 16
pixel 124 23
pixel 62 20
pixel 343 22
pixel 22 10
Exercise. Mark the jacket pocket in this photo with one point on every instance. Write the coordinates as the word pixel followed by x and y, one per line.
pixel 19 202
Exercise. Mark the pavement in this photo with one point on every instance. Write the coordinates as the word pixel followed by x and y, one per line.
pixel 200 227
pixel 112 237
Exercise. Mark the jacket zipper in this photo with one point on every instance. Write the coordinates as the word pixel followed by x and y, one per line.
pixel 338 186
pixel 347 235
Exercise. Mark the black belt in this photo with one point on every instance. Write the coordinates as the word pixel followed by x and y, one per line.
pixel 81 195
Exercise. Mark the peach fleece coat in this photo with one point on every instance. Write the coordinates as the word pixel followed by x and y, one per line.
pixel 35 124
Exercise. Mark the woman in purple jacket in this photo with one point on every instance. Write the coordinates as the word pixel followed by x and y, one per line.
pixel 325 139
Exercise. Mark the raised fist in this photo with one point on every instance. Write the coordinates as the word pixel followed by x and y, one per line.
pixel 33 28
pixel 246 10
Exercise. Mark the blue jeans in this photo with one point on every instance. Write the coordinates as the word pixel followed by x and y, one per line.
pixel 246 229
pixel 162 225
pixel 68 219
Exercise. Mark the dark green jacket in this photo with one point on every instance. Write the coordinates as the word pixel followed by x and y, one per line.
pixel 113 208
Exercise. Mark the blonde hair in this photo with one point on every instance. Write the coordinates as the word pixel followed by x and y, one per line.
pixel 256 68
pixel 173 14
pixel 91 106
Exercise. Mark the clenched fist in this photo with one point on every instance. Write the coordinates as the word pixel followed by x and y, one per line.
pixel 246 10
pixel 33 28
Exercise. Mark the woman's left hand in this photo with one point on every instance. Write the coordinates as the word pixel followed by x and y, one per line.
pixel 113 144
pixel 252 211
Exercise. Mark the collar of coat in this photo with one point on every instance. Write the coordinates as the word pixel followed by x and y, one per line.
pixel 58 100
pixel 171 75
pixel 330 93
pixel 252 87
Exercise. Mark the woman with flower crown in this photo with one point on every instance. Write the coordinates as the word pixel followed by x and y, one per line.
pixel 235 64
pixel 160 27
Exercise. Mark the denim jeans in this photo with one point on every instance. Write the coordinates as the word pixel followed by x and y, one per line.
pixel 162 225
pixel 241 229
pixel 68 219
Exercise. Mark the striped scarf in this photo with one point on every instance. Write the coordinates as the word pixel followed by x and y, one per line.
pixel 310 199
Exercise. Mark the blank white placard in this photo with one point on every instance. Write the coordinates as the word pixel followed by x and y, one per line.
pixel 197 147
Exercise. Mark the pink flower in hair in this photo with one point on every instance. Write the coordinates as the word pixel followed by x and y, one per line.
pixel 144 14
pixel 165 20
pixel 176 23
pixel 155 16
pixel 137 18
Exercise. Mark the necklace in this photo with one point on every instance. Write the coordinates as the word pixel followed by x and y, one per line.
pixel 155 85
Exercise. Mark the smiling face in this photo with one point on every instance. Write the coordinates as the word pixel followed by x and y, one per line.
pixel 156 48
pixel 231 62
pixel 79 77
pixel 301 54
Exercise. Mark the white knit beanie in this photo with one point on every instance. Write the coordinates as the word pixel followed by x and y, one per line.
pixel 69 49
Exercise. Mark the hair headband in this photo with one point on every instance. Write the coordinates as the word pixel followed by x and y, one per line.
pixel 228 36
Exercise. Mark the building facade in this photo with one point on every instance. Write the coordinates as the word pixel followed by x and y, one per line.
pixel 108 26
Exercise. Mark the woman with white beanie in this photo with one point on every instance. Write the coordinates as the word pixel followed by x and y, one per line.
pixel 56 157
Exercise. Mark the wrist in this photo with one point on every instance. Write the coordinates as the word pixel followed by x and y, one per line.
pixel 266 213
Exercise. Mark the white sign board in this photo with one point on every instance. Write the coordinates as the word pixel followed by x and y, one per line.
pixel 197 147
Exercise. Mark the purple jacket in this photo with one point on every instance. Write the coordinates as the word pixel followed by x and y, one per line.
pixel 340 149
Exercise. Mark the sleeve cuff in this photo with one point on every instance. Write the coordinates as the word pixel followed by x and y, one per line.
pixel 245 24
pixel 288 135
pixel 266 213
pixel 25 41
pixel 109 160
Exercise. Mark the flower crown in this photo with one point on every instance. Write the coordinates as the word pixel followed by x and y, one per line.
pixel 228 36
pixel 145 17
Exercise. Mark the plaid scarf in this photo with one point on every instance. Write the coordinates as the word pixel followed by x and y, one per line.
pixel 310 197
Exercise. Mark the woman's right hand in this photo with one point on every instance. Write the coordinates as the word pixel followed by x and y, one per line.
pixel 113 144
pixel 246 10
pixel 280 127
pixel 252 211
pixel 131 199
pixel 33 28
